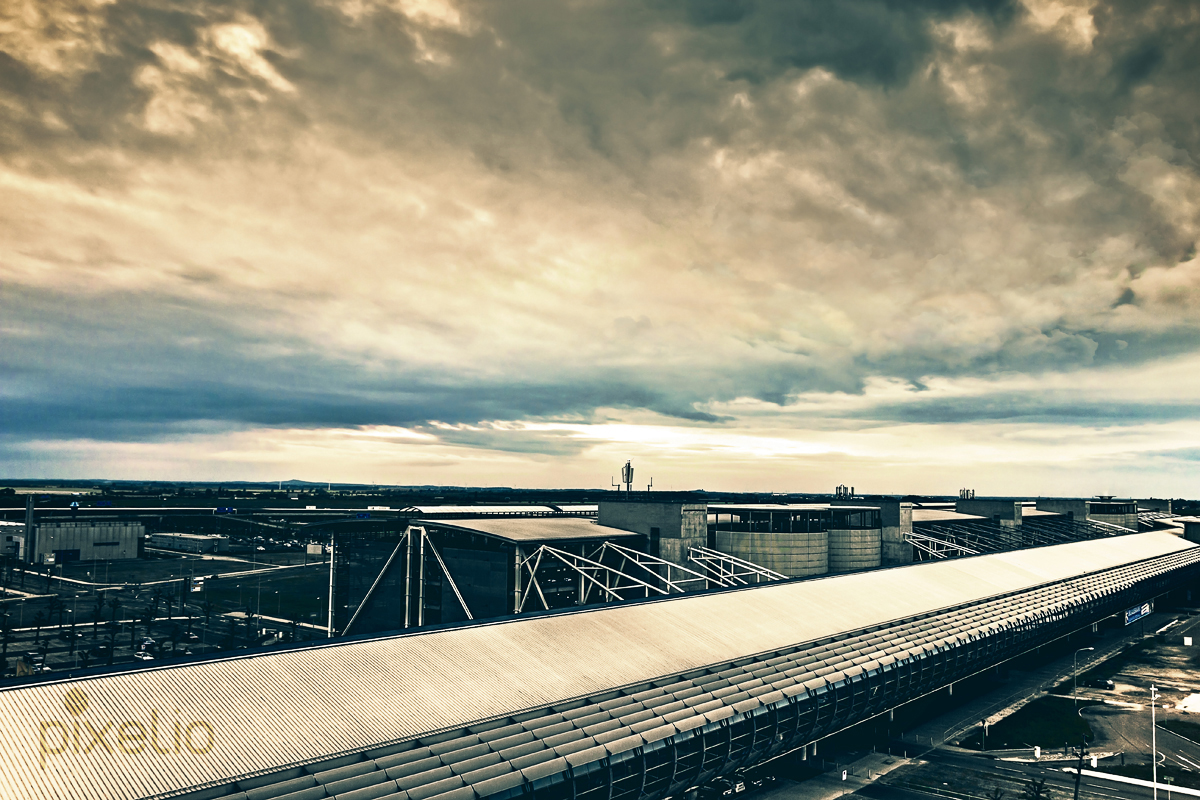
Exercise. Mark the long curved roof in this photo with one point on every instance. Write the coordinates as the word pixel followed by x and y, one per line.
pixel 260 713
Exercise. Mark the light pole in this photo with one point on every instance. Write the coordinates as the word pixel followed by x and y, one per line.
pixel 1075 678
pixel 1153 742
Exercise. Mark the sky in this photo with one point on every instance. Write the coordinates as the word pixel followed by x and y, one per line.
pixel 910 247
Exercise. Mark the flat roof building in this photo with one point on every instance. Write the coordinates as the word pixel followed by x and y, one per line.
pixel 455 568
pixel 58 541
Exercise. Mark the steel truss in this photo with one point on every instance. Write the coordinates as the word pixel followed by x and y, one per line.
pixel 415 539
pixel 554 577
pixel 938 547
pixel 610 570
pixel 727 570
pixel 954 539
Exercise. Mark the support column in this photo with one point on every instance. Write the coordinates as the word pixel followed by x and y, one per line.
pixel 408 577
pixel 30 532
pixel 332 572
pixel 517 559
pixel 421 580
pixel 582 588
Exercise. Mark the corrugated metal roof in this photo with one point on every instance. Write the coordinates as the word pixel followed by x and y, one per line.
pixel 534 529
pixel 429 511
pixel 270 711
pixel 941 515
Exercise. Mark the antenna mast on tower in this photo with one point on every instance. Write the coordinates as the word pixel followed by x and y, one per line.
pixel 626 479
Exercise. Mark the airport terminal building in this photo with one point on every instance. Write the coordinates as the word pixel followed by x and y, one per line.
pixel 628 700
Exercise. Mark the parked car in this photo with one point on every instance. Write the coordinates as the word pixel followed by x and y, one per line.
pixel 740 782
pixel 142 655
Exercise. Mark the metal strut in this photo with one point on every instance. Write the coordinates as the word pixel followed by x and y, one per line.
pixel 450 578
pixel 404 540
pixel 727 570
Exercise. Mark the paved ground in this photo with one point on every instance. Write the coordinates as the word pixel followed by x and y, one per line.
pixel 1122 725
pixel 1022 687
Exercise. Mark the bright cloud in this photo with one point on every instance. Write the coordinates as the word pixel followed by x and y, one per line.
pixel 771 242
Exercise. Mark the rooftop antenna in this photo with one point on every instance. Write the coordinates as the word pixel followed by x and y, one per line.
pixel 626 478
pixel 650 486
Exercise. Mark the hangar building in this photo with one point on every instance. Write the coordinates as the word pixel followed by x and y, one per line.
pixel 88 540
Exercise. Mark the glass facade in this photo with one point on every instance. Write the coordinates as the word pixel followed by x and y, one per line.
pixel 854 519
pixel 1112 508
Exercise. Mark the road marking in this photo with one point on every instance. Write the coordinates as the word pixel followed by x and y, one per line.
pixel 1187 760
pixel 1103 794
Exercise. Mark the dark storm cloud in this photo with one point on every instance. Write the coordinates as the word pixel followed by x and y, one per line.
pixel 1066 153
pixel 1025 408
pixel 170 370
pixel 880 42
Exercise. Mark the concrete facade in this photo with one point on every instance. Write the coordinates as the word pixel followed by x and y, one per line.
pixel 190 542
pixel 851 550
pixel 1153 504
pixel 12 539
pixel 1127 521
pixel 1114 512
pixel 88 540
pixel 1191 531
pixel 1005 512
pixel 1125 511
pixel 670 528
pixel 797 555
pixel 1068 507
pixel 897 519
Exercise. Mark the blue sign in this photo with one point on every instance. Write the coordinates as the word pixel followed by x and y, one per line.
pixel 1136 613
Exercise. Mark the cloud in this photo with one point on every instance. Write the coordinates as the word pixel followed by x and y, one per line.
pixel 307 216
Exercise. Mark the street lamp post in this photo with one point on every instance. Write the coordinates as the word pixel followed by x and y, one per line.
pixel 1075 677
pixel 1083 752
pixel 1153 742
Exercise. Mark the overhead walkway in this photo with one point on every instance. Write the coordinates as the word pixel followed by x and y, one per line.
pixel 951 539
pixel 632 700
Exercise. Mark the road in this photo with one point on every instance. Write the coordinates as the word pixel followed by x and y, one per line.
pixel 1121 726
pixel 952 767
